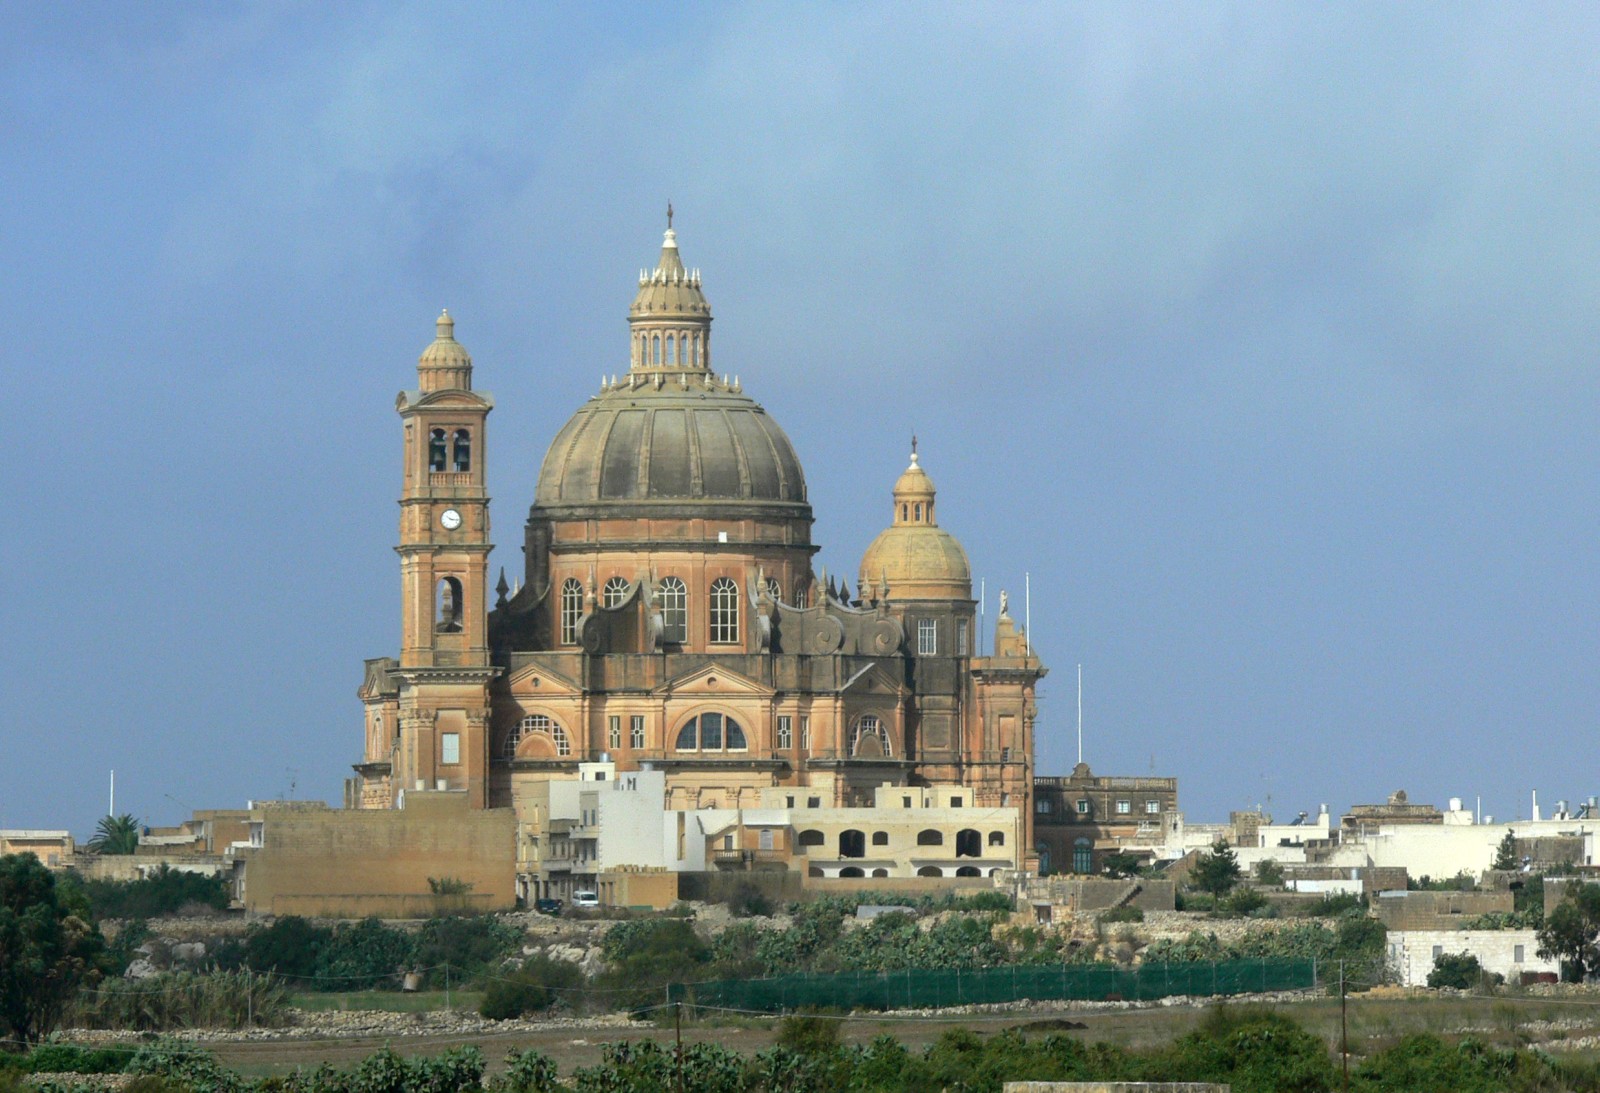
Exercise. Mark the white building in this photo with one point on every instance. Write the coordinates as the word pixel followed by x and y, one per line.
pixel 1510 953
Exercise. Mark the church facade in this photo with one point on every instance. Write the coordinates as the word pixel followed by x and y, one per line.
pixel 668 614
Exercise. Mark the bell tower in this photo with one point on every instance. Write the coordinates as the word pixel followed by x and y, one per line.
pixel 444 563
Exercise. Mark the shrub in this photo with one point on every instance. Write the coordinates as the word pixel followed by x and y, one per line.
pixel 808 1034
pixel 527 1072
pixel 986 901
pixel 1243 902
pixel 1269 872
pixel 164 892
pixel 1333 904
pixel 643 956
pixel 364 955
pixel 290 947
pixel 72 1059
pixel 469 945
pixel 538 984
pixel 1462 972
pixel 182 1000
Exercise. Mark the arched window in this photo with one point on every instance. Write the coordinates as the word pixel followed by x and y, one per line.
pixel 930 871
pixel 871 739
pixel 724 611
pixel 811 838
pixel 852 871
pixel 538 725
pixel 969 843
pixel 699 356
pixel 880 872
pixel 800 598
pixel 997 838
pixel 436 453
pixel 917 510
pixel 711 732
pixel 571 610
pixel 447 607
pixel 774 589
pixel 930 837
pixel 880 838
pixel 1082 856
pixel 675 609
pixel 852 844
pixel 905 511
pixel 463 450
pixel 672 349
pixel 655 349
pixel 616 590
pixel 1044 859
pixel 968 871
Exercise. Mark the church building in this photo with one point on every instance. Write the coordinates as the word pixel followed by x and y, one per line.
pixel 668 615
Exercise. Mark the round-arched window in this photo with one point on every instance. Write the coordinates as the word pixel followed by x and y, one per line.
pixel 871 740
pixel 616 591
pixel 724 611
pixel 571 610
pixel 674 610
pixel 711 732
pixel 538 725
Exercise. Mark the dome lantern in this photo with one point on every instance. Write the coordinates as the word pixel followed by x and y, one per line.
pixel 670 320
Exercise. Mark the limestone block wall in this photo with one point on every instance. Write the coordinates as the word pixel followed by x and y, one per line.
pixel 1507 952
pixel 354 863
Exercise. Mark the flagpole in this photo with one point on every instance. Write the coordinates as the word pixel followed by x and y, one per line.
pixel 1080 713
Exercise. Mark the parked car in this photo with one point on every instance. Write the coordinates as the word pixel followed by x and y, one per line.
pixel 585 899
pixel 547 906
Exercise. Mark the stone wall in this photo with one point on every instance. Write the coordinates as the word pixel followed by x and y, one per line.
pixel 351 864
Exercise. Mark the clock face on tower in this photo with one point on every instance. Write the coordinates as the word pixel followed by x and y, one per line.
pixel 450 519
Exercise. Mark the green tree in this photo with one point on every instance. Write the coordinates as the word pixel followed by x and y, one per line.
pixel 115 835
pixel 1216 872
pixel 1119 863
pixel 1570 932
pixel 48 948
pixel 1505 855
pixel 1270 872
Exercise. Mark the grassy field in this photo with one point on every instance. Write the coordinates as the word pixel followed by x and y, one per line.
pixel 1374 1022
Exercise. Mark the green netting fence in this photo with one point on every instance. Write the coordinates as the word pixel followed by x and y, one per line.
pixel 919 988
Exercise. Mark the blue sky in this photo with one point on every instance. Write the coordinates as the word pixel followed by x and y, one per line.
pixel 1263 337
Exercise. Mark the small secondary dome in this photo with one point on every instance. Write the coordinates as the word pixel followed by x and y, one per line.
pixel 445 363
pixel 918 559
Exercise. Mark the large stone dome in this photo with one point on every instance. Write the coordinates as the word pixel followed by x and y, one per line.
pixel 694 438
pixel 670 437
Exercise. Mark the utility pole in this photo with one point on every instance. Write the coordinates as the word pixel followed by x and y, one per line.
pixel 677 1027
pixel 1344 1034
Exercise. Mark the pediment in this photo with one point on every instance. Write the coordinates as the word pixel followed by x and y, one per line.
pixel 379 680
pixel 450 399
pixel 711 681
pixel 550 682
pixel 873 679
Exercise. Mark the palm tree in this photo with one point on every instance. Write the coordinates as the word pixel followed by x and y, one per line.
pixel 115 835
